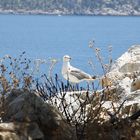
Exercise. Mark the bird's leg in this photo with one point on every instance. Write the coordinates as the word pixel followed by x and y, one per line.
pixel 90 85
pixel 68 83
pixel 72 86
pixel 77 87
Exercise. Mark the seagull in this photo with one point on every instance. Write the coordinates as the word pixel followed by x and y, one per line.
pixel 72 74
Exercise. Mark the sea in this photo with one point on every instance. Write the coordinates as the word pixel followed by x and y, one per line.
pixel 49 38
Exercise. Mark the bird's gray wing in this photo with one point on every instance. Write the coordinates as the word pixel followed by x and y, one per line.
pixel 79 74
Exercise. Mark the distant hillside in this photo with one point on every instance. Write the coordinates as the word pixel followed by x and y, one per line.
pixel 78 7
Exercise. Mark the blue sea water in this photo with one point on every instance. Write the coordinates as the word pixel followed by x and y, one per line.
pixel 44 37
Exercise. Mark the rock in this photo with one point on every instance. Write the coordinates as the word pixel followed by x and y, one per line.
pixel 20 131
pixel 9 136
pixel 131 56
pixel 125 77
pixel 24 106
pixel 72 101
pixel 135 85
pixel 130 67
pixel 126 65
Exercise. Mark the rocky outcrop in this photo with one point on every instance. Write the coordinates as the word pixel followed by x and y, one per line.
pixel 26 116
pixel 125 77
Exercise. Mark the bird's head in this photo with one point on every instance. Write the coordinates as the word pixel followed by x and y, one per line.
pixel 66 58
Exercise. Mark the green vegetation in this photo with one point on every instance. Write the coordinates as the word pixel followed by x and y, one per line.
pixel 114 7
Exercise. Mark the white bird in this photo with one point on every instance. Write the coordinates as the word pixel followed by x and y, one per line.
pixel 73 74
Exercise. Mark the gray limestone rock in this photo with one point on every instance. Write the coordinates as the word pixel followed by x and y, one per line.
pixel 27 107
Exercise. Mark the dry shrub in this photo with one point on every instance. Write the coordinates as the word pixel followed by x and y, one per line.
pixel 90 118
pixel 83 108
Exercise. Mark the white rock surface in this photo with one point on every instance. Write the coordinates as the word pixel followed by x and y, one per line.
pixel 132 56
pixel 71 101
pixel 123 80
pixel 125 76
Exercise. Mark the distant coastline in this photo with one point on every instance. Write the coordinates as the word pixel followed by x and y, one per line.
pixel 109 12
pixel 71 7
